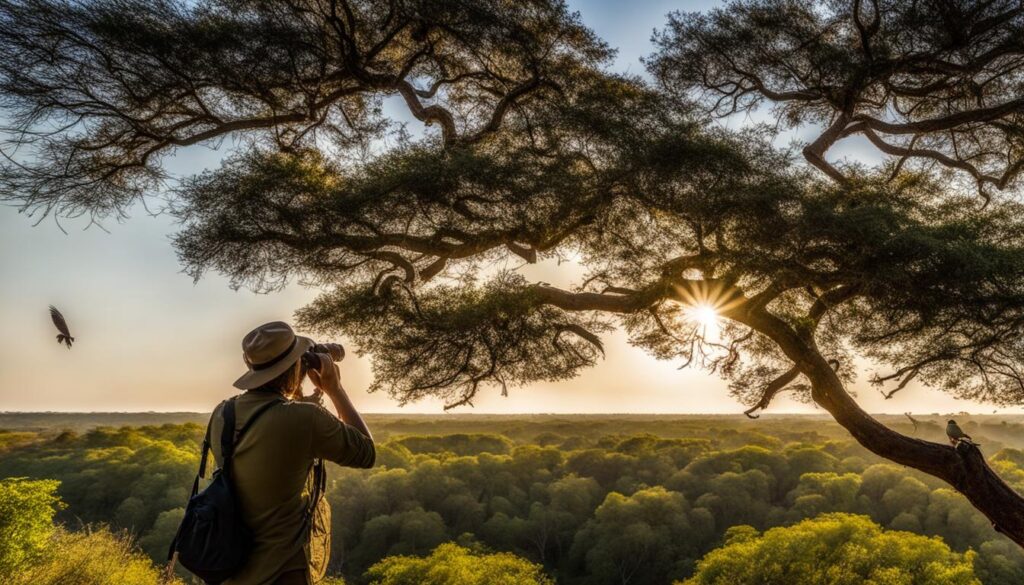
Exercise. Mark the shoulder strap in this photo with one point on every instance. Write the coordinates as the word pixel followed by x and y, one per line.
pixel 228 439
pixel 256 415
pixel 172 551
pixel 319 487
pixel 203 455
pixel 227 433
pixel 206 446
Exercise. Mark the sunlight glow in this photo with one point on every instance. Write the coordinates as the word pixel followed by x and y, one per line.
pixel 703 314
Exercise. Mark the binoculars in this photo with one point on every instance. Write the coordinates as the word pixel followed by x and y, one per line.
pixel 310 361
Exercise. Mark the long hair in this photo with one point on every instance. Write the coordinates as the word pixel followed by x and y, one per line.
pixel 288 382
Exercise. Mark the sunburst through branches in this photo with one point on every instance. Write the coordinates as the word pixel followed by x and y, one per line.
pixel 703 315
pixel 705 303
pixel 705 306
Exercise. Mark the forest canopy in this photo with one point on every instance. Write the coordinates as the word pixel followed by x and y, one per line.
pixel 577 500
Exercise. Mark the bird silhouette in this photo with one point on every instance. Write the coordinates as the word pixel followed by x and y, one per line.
pixel 956 434
pixel 62 326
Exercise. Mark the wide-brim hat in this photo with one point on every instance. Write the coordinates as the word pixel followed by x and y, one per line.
pixel 269 351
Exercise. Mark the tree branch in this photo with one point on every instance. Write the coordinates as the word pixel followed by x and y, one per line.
pixel 771 389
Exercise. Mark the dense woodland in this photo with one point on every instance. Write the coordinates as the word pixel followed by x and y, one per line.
pixel 560 499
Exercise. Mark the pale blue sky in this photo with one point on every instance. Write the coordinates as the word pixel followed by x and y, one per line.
pixel 150 339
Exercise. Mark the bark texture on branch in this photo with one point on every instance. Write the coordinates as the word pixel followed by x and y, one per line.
pixel 963 467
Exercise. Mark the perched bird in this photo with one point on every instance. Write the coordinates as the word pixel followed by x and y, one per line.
pixel 62 326
pixel 956 434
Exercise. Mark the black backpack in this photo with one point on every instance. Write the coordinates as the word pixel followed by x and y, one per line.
pixel 212 541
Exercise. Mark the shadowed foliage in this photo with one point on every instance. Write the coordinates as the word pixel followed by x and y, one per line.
pixel 97 92
pixel 934 84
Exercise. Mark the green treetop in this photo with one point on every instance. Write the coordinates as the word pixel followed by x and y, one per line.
pixel 839 549
pixel 26 521
pixel 451 564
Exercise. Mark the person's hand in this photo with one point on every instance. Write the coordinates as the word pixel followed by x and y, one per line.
pixel 317 397
pixel 327 378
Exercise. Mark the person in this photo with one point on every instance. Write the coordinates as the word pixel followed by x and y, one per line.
pixel 273 461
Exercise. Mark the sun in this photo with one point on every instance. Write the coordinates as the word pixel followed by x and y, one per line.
pixel 704 304
pixel 703 315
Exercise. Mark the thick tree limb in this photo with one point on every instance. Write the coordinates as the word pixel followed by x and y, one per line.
pixel 963 467
pixel 771 389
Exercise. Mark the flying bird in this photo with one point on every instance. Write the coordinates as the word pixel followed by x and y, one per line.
pixel 62 326
pixel 956 434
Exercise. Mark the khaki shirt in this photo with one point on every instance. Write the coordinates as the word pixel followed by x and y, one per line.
pixel 272 475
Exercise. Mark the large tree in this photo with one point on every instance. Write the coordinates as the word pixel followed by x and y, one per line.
pixel 535 153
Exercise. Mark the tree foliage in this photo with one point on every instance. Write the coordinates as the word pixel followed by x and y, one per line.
pixel 451 564
pixel 642 537
pixel 125 477
pixel 102 90
pixel 91 557
pixel 603 500
pixel 35 552
pixel 932 83
pixel 843 549
pixel 26 513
